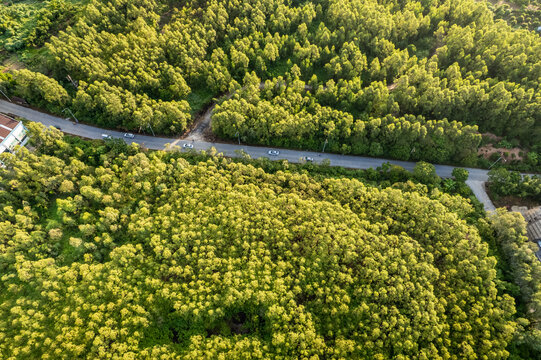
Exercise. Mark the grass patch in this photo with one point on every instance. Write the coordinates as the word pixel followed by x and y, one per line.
pixel 278 68
pixel 11 62
pixel 35 59
pixel 322 74
pixel 199 99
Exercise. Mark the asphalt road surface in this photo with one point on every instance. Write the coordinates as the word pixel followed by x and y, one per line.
pixel 476 179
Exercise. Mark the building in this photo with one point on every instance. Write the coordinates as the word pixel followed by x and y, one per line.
pixel 12 133
pixel 533 224
pixel 533 220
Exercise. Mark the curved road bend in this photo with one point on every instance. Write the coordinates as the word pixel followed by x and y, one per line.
pixel 476 180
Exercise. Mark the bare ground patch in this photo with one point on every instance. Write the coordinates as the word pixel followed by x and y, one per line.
pixel 201 129
pixel 508 154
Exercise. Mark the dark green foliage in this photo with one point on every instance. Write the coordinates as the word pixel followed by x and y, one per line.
pixel 460 175
pixel 25 24
pixel 503 182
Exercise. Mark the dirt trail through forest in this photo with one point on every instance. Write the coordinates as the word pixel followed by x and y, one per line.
pixel 202 130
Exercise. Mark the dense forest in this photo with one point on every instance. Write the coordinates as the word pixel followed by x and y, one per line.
pixel 415 80
pixel 29 24
pixel 109 251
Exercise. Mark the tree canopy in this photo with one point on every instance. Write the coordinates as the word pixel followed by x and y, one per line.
pixel 111 254
pixel 379 75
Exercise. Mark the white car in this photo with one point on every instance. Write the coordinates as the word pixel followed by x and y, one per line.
pixel 129 136
pixel 274 152
pixel 308 159
pixel 187 146
pixel 106 137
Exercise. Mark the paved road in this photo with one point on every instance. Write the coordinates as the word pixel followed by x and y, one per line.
pixel 478 188
pixel 477 176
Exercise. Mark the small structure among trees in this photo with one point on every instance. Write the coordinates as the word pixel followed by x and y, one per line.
pixel 533 218
pixel 12 133
pixel 533 221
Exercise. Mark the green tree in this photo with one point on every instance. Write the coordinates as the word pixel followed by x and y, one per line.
pixel 426 173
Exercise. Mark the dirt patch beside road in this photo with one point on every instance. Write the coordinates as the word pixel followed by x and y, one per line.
pixel 508 154
pixel 201 129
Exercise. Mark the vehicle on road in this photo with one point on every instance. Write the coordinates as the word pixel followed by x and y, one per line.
pixel 129 136
pixel 106 137
pixel 187 146
pixel 58 127
pixel 308 159
pixel 274 152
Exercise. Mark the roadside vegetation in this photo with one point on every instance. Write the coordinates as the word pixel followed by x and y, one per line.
pixel 410 80
pixel 108 250
pixel 506 183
